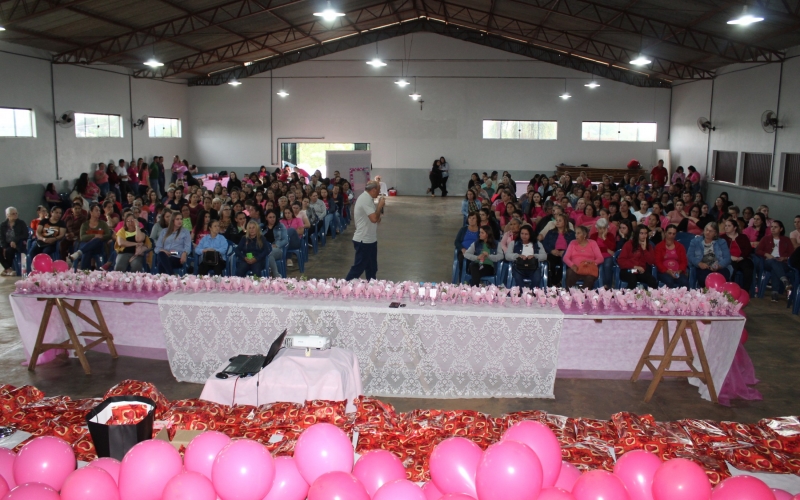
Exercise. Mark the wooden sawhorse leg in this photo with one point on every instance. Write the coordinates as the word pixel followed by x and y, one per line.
pixel 665 360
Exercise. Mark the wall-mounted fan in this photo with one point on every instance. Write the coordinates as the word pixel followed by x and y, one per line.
pixel 66 120
pixel 769 122
pixel 140 123
pixel 704 124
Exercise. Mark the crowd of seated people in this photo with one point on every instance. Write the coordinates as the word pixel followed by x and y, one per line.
pixel 639 232
pixel 122 220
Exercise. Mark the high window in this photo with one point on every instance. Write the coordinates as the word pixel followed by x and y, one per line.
pixel 97 126
pixel 619 131
pixel 164 127
pixel 519 129
pixel 17 123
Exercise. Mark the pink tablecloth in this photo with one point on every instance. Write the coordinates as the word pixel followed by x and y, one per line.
pixel 210 184
pixel 332 375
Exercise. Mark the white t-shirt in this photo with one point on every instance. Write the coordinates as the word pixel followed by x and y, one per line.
pixel 640 215
pixel 366 230
pixel 527 249
pixel 776 250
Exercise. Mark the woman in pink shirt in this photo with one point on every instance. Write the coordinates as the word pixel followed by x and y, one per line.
pixel 588 218
pixel 582 259
pixel 536 209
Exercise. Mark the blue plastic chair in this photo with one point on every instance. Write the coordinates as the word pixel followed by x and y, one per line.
pixel 456 274
pixel 496 279
pixel 543 268
pixel 300 253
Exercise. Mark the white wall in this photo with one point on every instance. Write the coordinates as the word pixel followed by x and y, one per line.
pixel 342 99
pixel 690 101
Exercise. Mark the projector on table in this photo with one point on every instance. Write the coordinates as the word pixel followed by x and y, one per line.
pixel 308 342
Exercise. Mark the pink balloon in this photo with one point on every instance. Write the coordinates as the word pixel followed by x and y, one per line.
pixel 202 450
pixel 555 494
pixel 376 468
pixel 243 470
pixel 742 488
pixel 32 491
pixel 323 448
pixel 431 491
pixel 47 460
pixel 744 297
pixel 453 464
pixel 59 266
pixel 108 464
pixel 457 496
pixel 636 470
pixel 400 489
pixel 781 494
pixel 7 458
pixel 90 483
pixel 681 479
pixel 42 263
pixel 732 288
pixel 568 476
pixel 337 485
pixel 3 487
pixel 189 486
pixel 289 483
pixel 147 468
pixel 599 485
pixel 715 281
pixel 509 470
pixel 541 440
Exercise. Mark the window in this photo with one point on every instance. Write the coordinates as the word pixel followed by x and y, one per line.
pixel 619 131
pixel 164 127
pixel 17 123
pixel 757 170
pixel 791 174
pixel 517 129
pixel 87 125
pixel 725 166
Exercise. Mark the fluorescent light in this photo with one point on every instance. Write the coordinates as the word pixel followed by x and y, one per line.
pixel 565 96
pixel 376 63
pixel 282 93
pixel 746 20
pixel 592 85
pixel 234 83
pixel 401 83
pixel 641 61
pixel 248 63
pixel 329 14
pixel 415 96
pixel 153 63
pixel 2 29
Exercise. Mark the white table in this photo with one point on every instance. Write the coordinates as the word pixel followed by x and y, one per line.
pixel 331 375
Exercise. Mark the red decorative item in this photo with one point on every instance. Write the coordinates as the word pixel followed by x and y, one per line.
pixel 634 164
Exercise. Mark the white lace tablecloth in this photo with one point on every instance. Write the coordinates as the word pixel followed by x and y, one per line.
pixel 445 351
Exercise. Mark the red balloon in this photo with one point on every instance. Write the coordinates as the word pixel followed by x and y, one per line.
pixel 714 281
pixel 732 288
pixel 744 297
pixel 42 263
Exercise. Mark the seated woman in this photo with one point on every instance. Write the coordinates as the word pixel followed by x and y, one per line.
pixel 740 250
pixel 673 268
pixel 691 223
pixel 49 234
pixel 93 237
pixel 130 246
pixel 655 233
pixel 466 236
pixel 677 215
pixel 576 213
pixel 582 259
pixel 555 244
pixel 212 251
pixel 13 239
pixel 757 230
pixel 173 246
pixel 606 242
pixel 775 249
pixel 588 218
pixel 51 196
pixel 253 251
pixel 202 227
pixel 295 229
pixel 624 234
pixel 536 209
pixel 709 254
pixel 41 214
pixel 510 235
pixel 277 236
pixel 486 218
pixel 525 254
pixel 469 204
pixel 635 260
pixel 483 254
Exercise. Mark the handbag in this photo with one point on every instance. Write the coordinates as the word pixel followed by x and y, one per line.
pixel 211 258
pixel 588 269
pixel 526 264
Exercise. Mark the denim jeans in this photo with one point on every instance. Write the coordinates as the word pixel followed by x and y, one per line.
pixel 104 187
pixel 667 279
pixel 777 271
pixel 607 270
pixel 90 249
pixel 366 260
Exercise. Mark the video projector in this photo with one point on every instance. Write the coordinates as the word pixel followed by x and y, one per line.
pixel 307 342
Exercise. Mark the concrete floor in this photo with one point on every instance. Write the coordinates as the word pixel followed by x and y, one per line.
pixel 415 242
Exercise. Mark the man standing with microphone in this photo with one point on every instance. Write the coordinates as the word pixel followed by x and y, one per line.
pixel 365 239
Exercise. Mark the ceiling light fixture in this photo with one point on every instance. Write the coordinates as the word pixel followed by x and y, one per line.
pixel 282 92
pixel 592 85
pixel 641 61
pixel 401 83
pixel 329 14
pixel 565 95
pixel 415 96
pixel 234 83
pixel 153 63
pixel 2 29
pixel 376 63
pixel 746 19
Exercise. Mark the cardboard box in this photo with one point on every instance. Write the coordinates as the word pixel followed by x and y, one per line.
pixel 182 437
